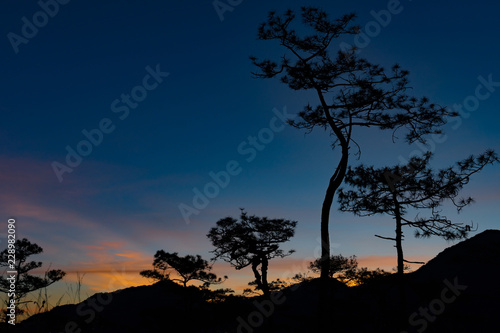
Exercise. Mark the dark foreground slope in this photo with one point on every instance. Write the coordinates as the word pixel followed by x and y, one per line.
pixel 457 291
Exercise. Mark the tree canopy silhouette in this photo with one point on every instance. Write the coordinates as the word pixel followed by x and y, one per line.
pixel 395 190
pixel 338 264
pixel 251 241
pixel 188 268
pixel 24 281
pixel 352 92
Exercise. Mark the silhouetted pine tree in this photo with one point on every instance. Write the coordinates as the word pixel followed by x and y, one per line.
pixel 188 268
pixel 352 92
pixel 396 190
pixel 251 241
pixel 24 282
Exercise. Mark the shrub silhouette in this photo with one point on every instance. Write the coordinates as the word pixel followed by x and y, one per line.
pixel 337 265
pixel 346 270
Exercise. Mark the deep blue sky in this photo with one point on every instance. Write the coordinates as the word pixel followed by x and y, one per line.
pixel 121 203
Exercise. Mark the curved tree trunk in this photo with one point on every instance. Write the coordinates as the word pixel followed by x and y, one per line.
pixel 335 182
pixel 324 295
pixel 333 185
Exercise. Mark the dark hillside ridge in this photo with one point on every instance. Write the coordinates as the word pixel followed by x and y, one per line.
pixel 477 254
pixel 457 291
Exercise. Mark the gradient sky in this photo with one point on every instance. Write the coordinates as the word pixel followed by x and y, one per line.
pixel 121 203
